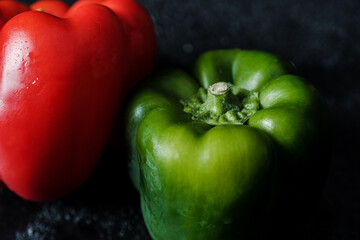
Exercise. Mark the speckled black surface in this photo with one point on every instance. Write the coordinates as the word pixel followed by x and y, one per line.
pixel 321 37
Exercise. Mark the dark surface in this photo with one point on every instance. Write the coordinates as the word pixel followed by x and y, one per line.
pixel 321 37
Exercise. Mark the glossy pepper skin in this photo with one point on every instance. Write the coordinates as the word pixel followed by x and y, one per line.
pixel 202 174
pixel 62 80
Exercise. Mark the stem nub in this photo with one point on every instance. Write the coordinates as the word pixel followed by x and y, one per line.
pixel 219 88
pixel 223 103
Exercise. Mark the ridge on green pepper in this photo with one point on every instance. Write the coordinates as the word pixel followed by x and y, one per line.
pixel 213 152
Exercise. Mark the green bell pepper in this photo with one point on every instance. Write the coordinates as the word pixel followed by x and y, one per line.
pixel 215 153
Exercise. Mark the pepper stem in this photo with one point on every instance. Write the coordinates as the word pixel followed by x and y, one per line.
pixel 220 100
pixel 219 105
pixel 219 88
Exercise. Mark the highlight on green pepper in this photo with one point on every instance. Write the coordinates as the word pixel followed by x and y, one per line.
pixel 219 154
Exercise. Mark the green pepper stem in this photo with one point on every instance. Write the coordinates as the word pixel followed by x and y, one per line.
pixel 221 106
pixel 219 88
pixel 220 100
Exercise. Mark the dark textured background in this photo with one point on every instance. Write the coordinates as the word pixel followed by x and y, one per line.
pixel 321 37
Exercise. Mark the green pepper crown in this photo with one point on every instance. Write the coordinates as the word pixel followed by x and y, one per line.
pixel 222 103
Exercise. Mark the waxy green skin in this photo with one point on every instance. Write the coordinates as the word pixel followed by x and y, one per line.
pixel 218 182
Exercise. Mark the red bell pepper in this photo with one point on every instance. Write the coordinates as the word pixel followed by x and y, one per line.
pixel 61 82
